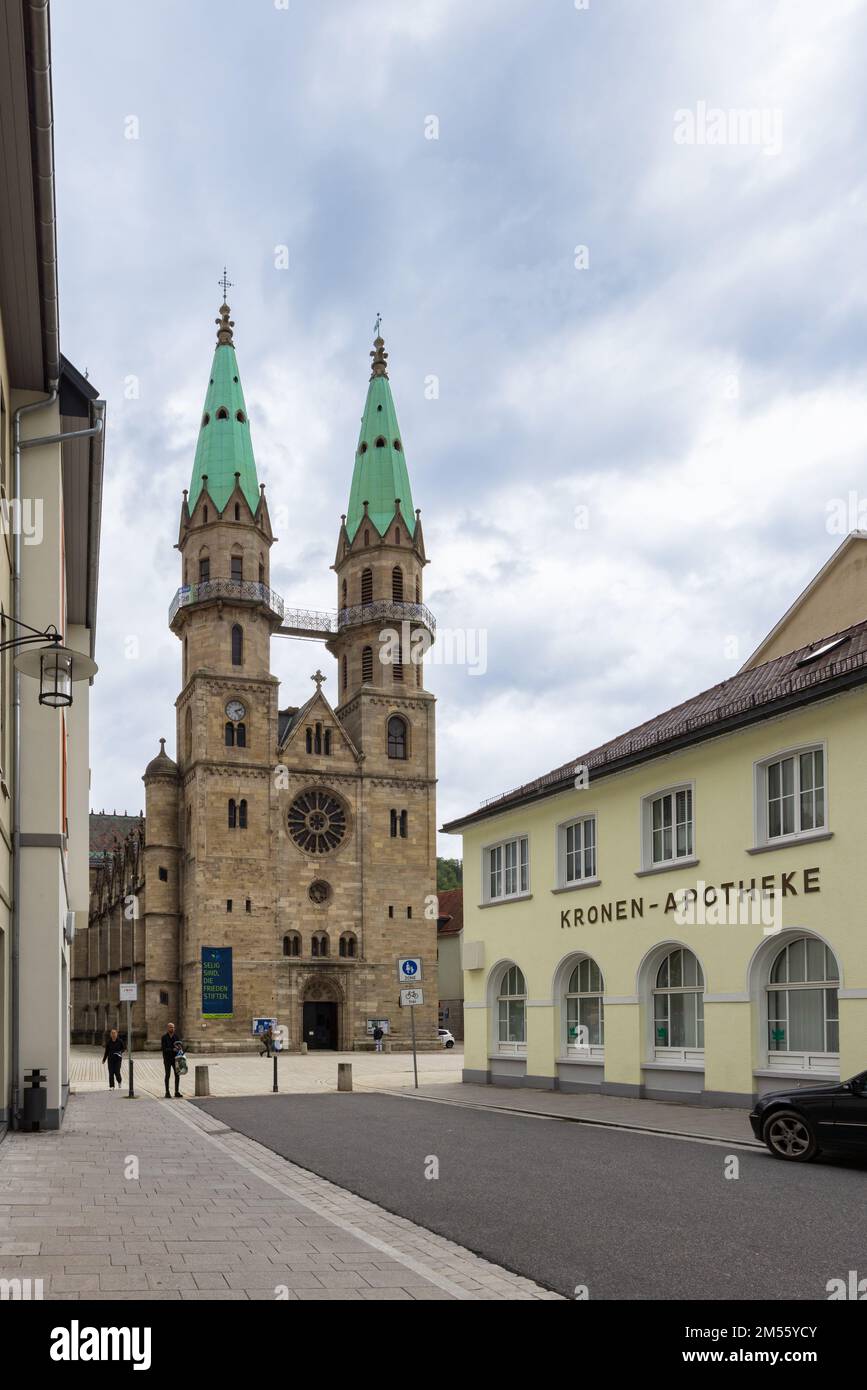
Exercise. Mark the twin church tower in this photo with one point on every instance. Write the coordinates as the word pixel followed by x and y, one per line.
pixel 289 855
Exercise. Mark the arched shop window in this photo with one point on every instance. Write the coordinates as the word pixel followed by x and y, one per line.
pixel 585 1014
pixel 512 1011
pixel 678 1005
pixel 803 1017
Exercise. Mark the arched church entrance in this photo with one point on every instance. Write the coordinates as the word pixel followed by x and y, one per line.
pixel 321 1014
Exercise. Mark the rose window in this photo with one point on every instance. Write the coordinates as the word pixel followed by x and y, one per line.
pixel 317 822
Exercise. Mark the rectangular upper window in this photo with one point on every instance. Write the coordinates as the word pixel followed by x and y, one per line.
pixel 577 851
pixel 506 871
pixel 791 795
pixel 668 827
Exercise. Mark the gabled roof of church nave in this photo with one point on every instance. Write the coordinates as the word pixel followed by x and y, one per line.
pixel 316 708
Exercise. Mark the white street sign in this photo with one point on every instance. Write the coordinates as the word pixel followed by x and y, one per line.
pixel 409 970
pixel 410 997
pixel 128 994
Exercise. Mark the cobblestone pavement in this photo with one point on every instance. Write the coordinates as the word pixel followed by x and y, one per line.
pixel 253 1075
pixel 147 1199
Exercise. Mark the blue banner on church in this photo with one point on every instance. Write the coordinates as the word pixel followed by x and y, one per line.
pixel 217 982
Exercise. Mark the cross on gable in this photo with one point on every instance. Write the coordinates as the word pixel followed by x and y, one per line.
pixel 318 678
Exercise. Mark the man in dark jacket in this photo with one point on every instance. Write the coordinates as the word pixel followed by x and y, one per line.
pixel 169 1044
pixel 112 1054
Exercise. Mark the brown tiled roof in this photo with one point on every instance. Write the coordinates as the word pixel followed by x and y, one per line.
pixel 451 911
pixel 746 698
pixel 108 831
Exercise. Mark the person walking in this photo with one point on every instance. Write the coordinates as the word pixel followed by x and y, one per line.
pixel 267 1040
pixel 114 1047
pixel 170 1045
pixel 377 1038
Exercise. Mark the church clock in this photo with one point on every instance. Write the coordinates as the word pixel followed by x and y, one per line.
pixel 235 709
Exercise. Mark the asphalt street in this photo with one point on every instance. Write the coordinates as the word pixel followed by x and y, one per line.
pixel 627 1215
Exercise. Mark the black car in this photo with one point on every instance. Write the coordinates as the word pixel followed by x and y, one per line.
pixel 798 1124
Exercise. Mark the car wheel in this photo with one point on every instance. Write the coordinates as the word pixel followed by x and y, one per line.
pixel 788 1135
pixel 450 1043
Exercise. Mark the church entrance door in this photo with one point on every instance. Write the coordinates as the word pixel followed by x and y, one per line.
pixel 320 1026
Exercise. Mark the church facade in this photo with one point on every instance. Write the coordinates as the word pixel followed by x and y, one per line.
pixel 287 861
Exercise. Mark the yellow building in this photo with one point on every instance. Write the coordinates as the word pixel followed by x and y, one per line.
pixel 679 914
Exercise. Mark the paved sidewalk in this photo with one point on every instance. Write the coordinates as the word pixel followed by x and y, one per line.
pixel 693 1121
pixel 147 1199
pixel 252 1075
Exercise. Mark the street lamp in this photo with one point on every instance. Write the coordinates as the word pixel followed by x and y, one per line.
pixel 54 666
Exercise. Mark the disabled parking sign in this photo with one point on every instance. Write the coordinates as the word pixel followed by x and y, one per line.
pixel 409 970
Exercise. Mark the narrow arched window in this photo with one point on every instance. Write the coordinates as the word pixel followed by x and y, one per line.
pixel 397 584
pixel 188 734
pixel 397 668
pixel 803 1012
pixel 186 656
pixel 230 735
pixel 367 666
pixel 366 537
pixel 286 950
pixel 242 815
pixel 309 740
pixel 204 514
pixel 393 817
pixel 417 589
pixel 585 1010
pixel 396 737
pixel 233 814
pixel 237 511
pixel 204 568
pixel 327 742
pixel 241 735
pixel 512 1011
pixel 403 825
pixel 237 645
pixel 261 570
pixel 678 1003
pixel 222 413
pixel 345 675
pixel 237 567
pixel 343 592
pixel 397 535
pixel 367 586
pixel 317 739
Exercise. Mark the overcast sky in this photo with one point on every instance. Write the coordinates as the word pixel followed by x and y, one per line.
pixel 633 258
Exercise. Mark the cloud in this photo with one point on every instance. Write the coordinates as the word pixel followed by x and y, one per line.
pixel 699 388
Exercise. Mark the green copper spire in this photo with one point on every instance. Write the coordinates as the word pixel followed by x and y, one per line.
pixel 380 473
pixel 224 446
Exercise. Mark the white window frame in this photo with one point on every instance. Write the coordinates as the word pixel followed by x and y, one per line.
pixel 801 1059
pixel 761 782
pixel 563 881
pixel 592 1051
pixel 499 853
pixel 510 1049
pixel 662 1052
pixel 647 860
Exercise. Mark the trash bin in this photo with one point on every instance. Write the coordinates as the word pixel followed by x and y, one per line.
pixel 35 1101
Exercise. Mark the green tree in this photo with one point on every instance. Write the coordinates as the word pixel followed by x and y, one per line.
pixel 450 874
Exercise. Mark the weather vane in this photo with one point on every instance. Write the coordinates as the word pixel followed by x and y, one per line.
pixel 376 326
pixel 225 282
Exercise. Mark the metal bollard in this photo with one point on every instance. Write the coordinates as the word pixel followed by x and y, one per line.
pixel 344 1076
pixel 203 1085
pixel 274 1087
